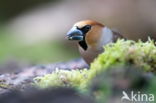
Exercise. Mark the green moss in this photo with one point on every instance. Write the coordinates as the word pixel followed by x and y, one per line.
pixel 122 53
pixel 5 86
pixel 74 78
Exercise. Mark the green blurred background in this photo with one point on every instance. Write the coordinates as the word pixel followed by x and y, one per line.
pixel 33 31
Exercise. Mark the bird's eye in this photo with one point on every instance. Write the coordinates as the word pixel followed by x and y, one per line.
pixel 87 27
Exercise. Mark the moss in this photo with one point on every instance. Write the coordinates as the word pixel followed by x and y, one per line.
pixel 122 53
pixel 5 86
pixel 73 78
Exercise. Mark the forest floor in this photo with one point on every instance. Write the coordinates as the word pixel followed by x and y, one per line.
pixel 21 78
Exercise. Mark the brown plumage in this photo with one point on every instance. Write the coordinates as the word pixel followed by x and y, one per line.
pixel 91 37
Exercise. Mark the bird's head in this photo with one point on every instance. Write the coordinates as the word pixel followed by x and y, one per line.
pixel 87 33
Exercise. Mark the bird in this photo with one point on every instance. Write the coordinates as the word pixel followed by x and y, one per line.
pixel 91 36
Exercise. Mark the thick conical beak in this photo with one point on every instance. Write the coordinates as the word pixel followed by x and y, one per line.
pixel 75 34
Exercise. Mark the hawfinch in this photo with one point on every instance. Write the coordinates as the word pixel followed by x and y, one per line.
pixel 91 37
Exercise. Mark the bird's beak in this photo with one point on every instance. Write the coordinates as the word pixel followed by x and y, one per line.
pixel 75 34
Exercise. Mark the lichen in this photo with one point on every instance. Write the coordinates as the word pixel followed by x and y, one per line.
pixel 122 53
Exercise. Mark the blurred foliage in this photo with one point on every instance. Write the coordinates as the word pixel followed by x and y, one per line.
pixel 11 8
pixel 152 88
pixel 122 53
pixel 42 52
pixel 111 83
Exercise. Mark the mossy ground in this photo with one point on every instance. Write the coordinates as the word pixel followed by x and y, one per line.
pixel 73 78
pixel 123 53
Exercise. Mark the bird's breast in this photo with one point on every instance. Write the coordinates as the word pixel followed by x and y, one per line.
pixel 90 54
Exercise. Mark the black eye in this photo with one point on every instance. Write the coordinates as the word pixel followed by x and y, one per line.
pixel 86 28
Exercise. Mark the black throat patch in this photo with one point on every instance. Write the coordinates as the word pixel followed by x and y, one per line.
pixel 83 44
pixel 84 29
